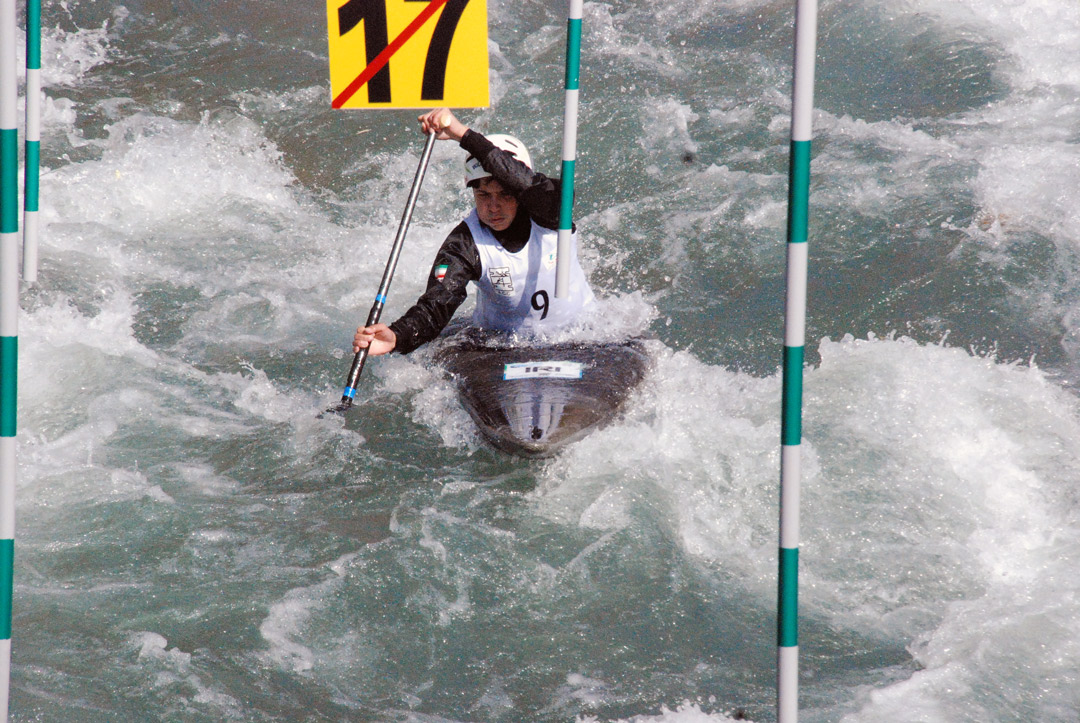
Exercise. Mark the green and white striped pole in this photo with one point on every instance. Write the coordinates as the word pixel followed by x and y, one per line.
pixel 802 106
pixel 569 148
pixel 32 163
pixel 9 303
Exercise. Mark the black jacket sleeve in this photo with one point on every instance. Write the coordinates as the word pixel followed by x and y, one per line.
pixel 434 309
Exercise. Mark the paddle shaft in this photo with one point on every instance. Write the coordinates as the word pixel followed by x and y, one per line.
pixel 388 274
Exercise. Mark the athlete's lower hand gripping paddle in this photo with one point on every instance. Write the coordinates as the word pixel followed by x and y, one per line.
pixel 388 274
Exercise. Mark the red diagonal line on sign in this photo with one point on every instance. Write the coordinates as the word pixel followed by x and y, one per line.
pixel 384 57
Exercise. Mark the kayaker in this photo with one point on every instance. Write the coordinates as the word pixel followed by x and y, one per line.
pixel 506 246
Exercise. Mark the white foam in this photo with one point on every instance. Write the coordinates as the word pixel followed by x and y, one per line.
pixel 58 114
pixel 204 479
pixel 67 56
pixel 610 511
pixel 610 38
pixel 156 171
pixel 176 671
pixel 264 102
pixel 287 619
pixel 284 621
pixel 685 713
pixel 939 509
pixel 874 189
pixel 257 395
pixel 582 688
pixel 437 406
pixel 1023 145
pixel 105 330
pixel 153 645
pixel 666 127
pixel 1027 176
pixel 1041 38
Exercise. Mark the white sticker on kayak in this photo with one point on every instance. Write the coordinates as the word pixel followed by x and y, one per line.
pixel 543 370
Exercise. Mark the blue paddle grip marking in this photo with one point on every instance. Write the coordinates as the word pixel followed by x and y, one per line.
pixel 349 392
pixel 380 298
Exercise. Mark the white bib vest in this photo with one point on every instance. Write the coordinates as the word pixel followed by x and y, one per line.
pixel 517 290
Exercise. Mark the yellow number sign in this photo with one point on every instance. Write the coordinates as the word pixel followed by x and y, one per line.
pixel 408 53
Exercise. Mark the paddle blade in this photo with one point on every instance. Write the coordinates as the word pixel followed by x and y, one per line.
pixel 342 407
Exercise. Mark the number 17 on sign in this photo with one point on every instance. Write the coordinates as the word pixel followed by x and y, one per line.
pixel 408 53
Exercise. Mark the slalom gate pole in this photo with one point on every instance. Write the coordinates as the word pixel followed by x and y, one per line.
pixel 388 276
pixel 802 106
pixel 32 169
pixel 569 148
pixel 9 308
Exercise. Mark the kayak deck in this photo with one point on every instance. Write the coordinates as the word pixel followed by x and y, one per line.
pixel 531 401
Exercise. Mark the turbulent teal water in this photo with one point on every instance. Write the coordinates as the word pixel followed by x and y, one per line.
pixel 193 544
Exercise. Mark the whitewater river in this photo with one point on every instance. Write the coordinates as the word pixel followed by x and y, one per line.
pixel 193 544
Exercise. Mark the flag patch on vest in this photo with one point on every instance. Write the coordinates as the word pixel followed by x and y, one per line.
pixel 500 279
pixel 440 271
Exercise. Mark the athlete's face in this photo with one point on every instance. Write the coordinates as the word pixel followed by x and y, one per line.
pixel 494 204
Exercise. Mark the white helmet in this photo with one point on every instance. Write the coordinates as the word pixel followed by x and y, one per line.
pixel 474 171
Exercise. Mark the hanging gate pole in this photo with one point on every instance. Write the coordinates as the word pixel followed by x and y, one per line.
pixel 802 105
pixel 9 308
pixel 569 148
pixel 32 169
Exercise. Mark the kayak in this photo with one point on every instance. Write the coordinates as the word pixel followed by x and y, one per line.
pixel 533 400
